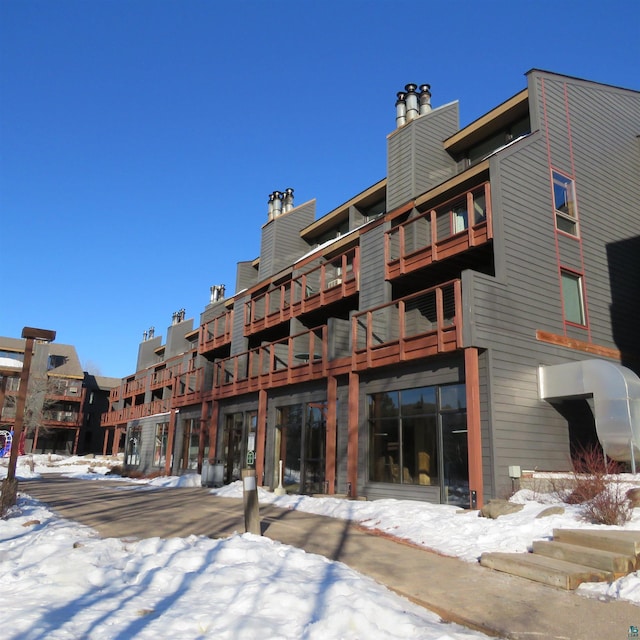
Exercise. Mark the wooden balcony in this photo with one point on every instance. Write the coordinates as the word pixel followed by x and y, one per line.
pixel 441 233
pixel 321 285
pixel 122 416
pixel 417 326
pixel 116 393
pixel 61 418
pixel 163 377
pixel 134 387
pixel 188 388
pixel 216 333
pixel 295 359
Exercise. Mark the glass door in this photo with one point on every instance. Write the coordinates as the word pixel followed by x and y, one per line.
pixel 301 445
pixel 232 446
pixel 315 439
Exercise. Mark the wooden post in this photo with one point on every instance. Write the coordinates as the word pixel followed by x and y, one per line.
pixel 261 433
pixel 331 434
pixel 474 439
pixel 170 443
pixel 352 441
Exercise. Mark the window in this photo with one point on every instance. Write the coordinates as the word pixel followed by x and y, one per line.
pixel 460 216
pixel 572 297
pixel 133 446
pixel 190 444
pixel 565 204
pixel 479 207
pixel 160 446
pixel 419 437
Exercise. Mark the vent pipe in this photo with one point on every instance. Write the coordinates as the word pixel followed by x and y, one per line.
pixel 616 400
pixel 288 200
pixel 411 100
pixel 270 210
pixel 425 99
pixel 144 336
pixel 401 109
pixel 152 331
pixel 277 204
pixel 217 292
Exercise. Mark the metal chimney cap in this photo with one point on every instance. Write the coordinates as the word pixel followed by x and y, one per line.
pixel 410 88
pixel 425 88
pixel 401 96
pixel 272 197
pixel 277 194
pixel 288 191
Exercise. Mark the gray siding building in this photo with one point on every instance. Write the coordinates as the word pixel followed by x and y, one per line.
pixel 467 316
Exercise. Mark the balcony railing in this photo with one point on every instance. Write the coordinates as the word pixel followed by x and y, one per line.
pixel 293 359
pixel 121 416
pixel 216 332
pixel 323 284
pixel 63 417
pixel 188 388
pixel 162 377
pixel 416 326
pixel 440 233
pixel 135 386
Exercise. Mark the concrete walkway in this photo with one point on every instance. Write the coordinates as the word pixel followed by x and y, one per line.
pixel 496 603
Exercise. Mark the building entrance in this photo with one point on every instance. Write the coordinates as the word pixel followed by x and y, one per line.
pixel 238 444
pixel 301 445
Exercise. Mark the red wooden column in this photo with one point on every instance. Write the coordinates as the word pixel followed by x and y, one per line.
pixel 105 441
pixel 474 439
pixel 115 445
pixel 352 431
pixel 170 443
pixel 204 409
pixel 332 430
pixel 261 435
pixel 213 432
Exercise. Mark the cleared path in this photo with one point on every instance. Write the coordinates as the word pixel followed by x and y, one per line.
pixel 479 598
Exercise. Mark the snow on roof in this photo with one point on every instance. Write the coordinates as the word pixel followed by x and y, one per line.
pixel 10 363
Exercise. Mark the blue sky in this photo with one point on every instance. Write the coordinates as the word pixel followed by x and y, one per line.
pixel 139 139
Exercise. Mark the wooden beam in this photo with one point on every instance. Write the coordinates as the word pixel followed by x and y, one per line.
pixel 578 345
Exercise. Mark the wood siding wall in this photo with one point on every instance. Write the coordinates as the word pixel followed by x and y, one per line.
pixel 374 290
pixel 591 136
pixel 281 242
pixel 416 160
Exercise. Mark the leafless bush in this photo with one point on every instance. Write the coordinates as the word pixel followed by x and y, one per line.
pixel 610 506
pixel 595 486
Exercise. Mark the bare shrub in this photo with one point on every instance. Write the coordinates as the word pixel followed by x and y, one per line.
pixel 611 506
pixel 595 487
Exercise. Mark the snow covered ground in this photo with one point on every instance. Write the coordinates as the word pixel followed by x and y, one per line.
pixel 60 580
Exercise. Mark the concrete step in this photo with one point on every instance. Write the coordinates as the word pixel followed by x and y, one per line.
pixel 617 563
pixel 551 571
pixel 623 542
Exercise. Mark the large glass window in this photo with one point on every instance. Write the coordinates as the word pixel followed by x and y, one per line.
pixel 572 297
pixel 160 444
pixel 419 437
pixel 190 444
pixel 134 444
pixel 301 446
pixel 565 204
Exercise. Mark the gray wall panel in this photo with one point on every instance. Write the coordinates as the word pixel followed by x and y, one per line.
pixel 373 288
pixel 416 160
